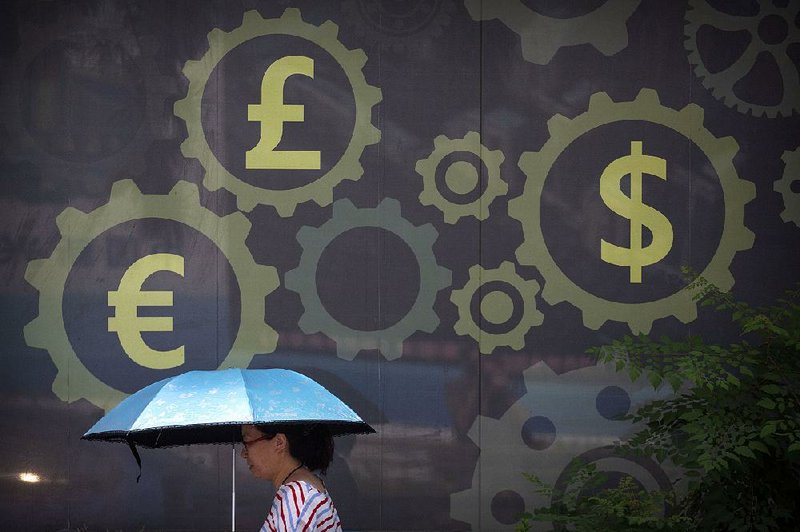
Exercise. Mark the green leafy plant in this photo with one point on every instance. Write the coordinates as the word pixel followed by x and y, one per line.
pixel 733 425
pixel 587 506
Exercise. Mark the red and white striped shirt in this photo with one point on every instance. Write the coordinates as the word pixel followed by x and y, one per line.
pixel 300 507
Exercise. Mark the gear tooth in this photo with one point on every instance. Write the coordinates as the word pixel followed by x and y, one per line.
pixel 648 97
pixel 556 124
pixel 391 207
pixel 292 15
pixel 330 30
pixel 308 324
pixel 252 17
pixel 35 271
pixel 358 58
pixel 600 100
pixel 191 70
pixel 34 331
pixel 215 36
pixel 595 321
pixel 237 224
pixel 247 203
pixel 324 196
pixel 67 219
pixel 125 188
pixel 343 208
pixel 693 115
pixel 472 139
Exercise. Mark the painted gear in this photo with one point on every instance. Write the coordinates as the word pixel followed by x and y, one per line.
pixel 92 161
pixel 127 203
pixel 432 278
pixel 365 95
pixel 479 278
pixel 791 199
pixel 495 186
pixel 602 111
pixel 542 36
pixel 421 22
pixel 721 84
pixel 560 418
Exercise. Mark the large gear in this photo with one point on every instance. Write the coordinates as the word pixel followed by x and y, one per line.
pixel 501 311
pixel 542 36
pixel 559 419
pixel 365 95
pixel 432 278
pixel 405 25
pixel 791 198
pixel 479 207
pixel 81 164
pixel 721 83
pixel 687 122
pixel 126 203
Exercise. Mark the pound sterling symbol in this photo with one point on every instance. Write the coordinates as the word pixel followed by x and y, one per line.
pixel 636 211
pixel 129 325
pixel 272 113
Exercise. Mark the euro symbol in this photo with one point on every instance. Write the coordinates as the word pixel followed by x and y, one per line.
pixel 272 113
pixel 635 210
pixel 126 301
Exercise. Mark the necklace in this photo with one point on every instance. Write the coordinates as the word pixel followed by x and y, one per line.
pixel 291 473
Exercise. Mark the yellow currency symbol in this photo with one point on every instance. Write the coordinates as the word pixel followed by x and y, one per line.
pixel 272 113
pixel 636 211
pixel 126 301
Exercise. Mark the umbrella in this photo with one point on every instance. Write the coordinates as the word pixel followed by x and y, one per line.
pixel 210 406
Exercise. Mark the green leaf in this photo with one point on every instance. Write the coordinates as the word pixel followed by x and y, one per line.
pixel 758 446
pixel 744 451
pixel 767 403
pixel 768 430
pixel 772 389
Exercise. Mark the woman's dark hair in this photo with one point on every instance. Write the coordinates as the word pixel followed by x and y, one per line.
pixel 311 444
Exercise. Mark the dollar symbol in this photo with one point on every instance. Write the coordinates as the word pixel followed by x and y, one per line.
pixel 129 325
pixel 272 113
pixel 634 209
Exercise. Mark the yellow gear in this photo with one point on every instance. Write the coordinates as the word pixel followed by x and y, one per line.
pixel 495 186
pixel 479 277
pixel 791 199
pixel 126 203
pixel 365 95
pixel 687 122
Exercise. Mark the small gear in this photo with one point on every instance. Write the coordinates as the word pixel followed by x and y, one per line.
pixel 791 198
pixel 401 26
pixel 542 36
pixel 687 122
pixel 499 310
pixel 432 278
pixel 452 210
pixel 115 78
pixel 699 13
pixel 365 95
pixel 560 418
pixel 127 203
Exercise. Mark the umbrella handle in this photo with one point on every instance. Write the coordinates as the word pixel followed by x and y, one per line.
pixel 233 488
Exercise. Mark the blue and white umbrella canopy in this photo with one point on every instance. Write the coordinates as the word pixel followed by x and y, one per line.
pixel 209 407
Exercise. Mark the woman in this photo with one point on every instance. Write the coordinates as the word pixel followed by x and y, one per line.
pixel 286 456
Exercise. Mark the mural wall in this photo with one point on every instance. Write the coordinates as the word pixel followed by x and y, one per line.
pixel 433 207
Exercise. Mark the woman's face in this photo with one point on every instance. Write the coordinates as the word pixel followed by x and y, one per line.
pixel 259 452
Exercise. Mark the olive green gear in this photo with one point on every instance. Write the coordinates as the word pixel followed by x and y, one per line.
pixel 365 95
pixel 495 186
pixel 791 199
pixel 602 111
pixel 721 83
pixel 432 278
pixel 466 325
pixel 569 401
pixel 542 36
pixel 126 203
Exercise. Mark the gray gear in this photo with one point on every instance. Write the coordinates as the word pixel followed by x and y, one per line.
pixel 721 84
pixel 432 278
pixel 560 418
